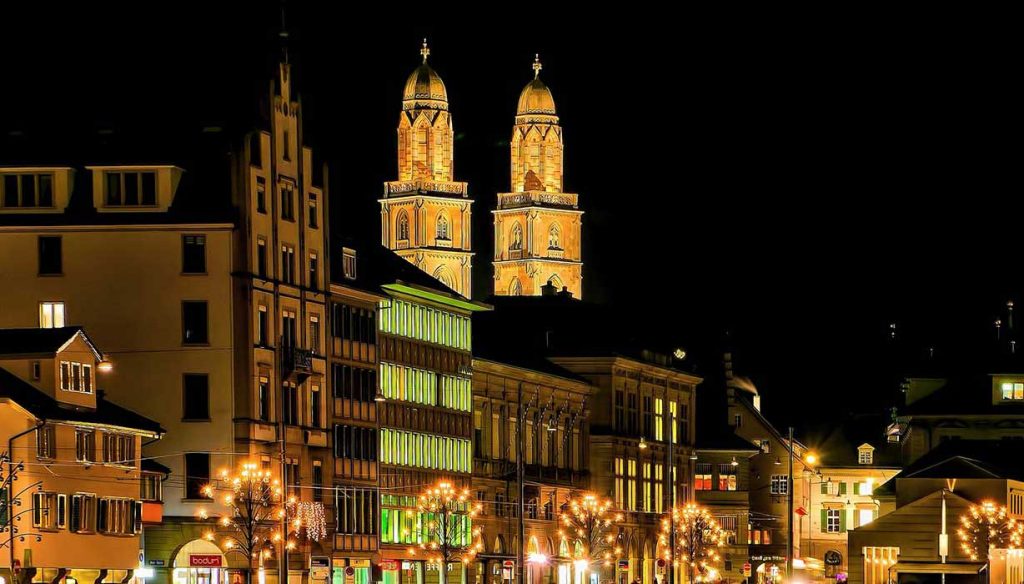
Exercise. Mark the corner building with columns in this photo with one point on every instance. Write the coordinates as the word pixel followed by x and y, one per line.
pixel 537 226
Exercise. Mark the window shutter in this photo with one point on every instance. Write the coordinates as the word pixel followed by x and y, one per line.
pixel 137 517
pixel 824 520
pixel 824 488
pixel 842 521
pixel 101 515
pixel 75 525
pixel 842 488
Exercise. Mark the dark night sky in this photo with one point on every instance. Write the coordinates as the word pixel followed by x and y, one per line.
pixel 801 180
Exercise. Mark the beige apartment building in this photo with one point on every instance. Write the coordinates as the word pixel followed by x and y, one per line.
pixel 207 283
pixel 71 477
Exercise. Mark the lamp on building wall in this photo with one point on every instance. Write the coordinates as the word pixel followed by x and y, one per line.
pixel 735 462
pixel 379 397
pixel 105 365
pixel 778 461
pixel 643 444
pixel 693 456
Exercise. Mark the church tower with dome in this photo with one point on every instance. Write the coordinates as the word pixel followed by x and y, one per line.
pixel 537 226
pixel 426 214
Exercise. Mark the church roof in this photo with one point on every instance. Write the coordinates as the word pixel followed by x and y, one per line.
pixel 536 99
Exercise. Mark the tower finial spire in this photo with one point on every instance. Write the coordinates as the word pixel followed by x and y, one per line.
pixel 283 35
pixel 536 65
pixel 425 51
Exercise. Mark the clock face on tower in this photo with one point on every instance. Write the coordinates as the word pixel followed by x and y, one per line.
pixel 833 558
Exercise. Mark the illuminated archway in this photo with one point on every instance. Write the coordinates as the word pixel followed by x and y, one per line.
pixel 402 225
pixel 445 275
pixel 515 288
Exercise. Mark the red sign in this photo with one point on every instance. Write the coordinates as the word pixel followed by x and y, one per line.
pixel 508 564
pixel 801 511
pixel 350 571
pixel 623 564
pixel 661 562
pixel 389 565
pixel 205 561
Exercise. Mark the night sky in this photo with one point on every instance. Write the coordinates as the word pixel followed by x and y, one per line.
pixel 798 180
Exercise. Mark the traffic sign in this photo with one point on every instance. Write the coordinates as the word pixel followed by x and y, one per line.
pixel 746 569
pixel 508 564
pixel 623 564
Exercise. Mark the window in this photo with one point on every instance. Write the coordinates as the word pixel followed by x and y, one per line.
pixel 46 513
pixel 780 485
pixel 833 520
pixel 116 516
pixel 554 237
pixel 46 442
pixel 766 446
pixel 263 398
pixel 355 442
pixel 312 211
pixel 865 516
pixel 261 257
pixel 131 189
pixel 726 477
pixel 315 407
pixel 196 397
pixel 287 202
pixel 288 264
pixel 85 446
pixel 620 412
pixel 119 449
pixel 865 488
pixel 50 257
pixel 356 510
pixel 403 226
pixel 659 419
pixel 292 480
pixel 197 474
pixel 738 420
pixel 354 383
pixel 516 240
pixel 865 456
pixel 37 370
pixel 261 195
pixel 82 517
pixel 286 147
pixel 830 487
pixel 288 330
pixel 193 254
pixel 314 279
pixel 318 480
pixel 1013 391
pixel 151 488
pixel 86 386
pixel 27 190
pixel 620 492
pixel 51 315
pixel 194 323
pixel 442 227
pixel 702 476
pixel 262 322
pixel 291 404
pixel 348 263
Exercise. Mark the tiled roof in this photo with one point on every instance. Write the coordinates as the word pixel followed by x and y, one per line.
pixel 20 341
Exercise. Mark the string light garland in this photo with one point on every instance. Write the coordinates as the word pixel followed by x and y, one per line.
pixel 587 521
pixel 987 526
pixel 697 539
pixel 448 532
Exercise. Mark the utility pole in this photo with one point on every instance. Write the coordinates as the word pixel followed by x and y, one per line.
pixel 521 558
pixel 789 519
pixel 282 571
pixel 670 468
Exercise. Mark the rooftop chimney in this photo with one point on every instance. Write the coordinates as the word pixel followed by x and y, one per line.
pixel 565 292
pixel 548 289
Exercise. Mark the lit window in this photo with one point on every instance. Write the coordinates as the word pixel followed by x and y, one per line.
pixel 833 520
pixel 865 456
pixel 702 477
pixel 1013 390
pixel 864 488
pixel 51 314
pixel 780 485
pixel 865 516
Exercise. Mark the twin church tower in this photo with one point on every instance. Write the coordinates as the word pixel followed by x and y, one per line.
pixel 426 213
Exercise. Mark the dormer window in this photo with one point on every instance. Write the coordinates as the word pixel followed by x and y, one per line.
pixel 866 454
pixel 1012 390
pixel 27 191
pixel 130 189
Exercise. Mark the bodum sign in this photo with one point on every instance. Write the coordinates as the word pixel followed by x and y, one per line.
pixel 204 561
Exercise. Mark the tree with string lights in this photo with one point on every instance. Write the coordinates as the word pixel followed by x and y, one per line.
pixel 448 530
pixel 697 538
pixel 987 526
pixel 256 509
pixel 588 521
pixel 9 516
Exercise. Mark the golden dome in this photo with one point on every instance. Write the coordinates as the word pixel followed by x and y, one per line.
pixel 536 97
pixel 424 83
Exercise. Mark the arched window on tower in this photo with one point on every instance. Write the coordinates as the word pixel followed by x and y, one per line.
pixel 554 237
pixel 442 226
pixel 402 229
pixel 515 242
pixel 515 288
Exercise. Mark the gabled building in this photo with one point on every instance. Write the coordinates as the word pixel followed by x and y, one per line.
pixel 73 488
pixel 930 497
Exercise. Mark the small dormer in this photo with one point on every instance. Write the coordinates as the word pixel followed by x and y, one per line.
pixel 134 189
pixel 865 454
pixel 1007 389
pixel 348 263
pixel 35 189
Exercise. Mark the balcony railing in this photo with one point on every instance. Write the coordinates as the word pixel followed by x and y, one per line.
pixel 297 360
pixel 424 186
pixel 509 200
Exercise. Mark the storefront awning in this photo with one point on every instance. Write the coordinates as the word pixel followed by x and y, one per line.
pixel 937 568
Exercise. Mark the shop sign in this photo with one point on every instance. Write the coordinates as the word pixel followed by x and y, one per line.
pixel 156 562
pixel 363 563
pixel 319 562
pixel 389 564
pixel 767 558
pixel 623 564
pixel 204 561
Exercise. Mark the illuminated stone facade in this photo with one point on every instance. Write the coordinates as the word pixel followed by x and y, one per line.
pixel 537 226
pixel 425 214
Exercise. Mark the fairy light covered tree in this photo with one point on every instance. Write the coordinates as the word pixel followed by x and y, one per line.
pixel 587 521
pixel 256 507
pixel 697 539
pixel 448 532
pixel 987 526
